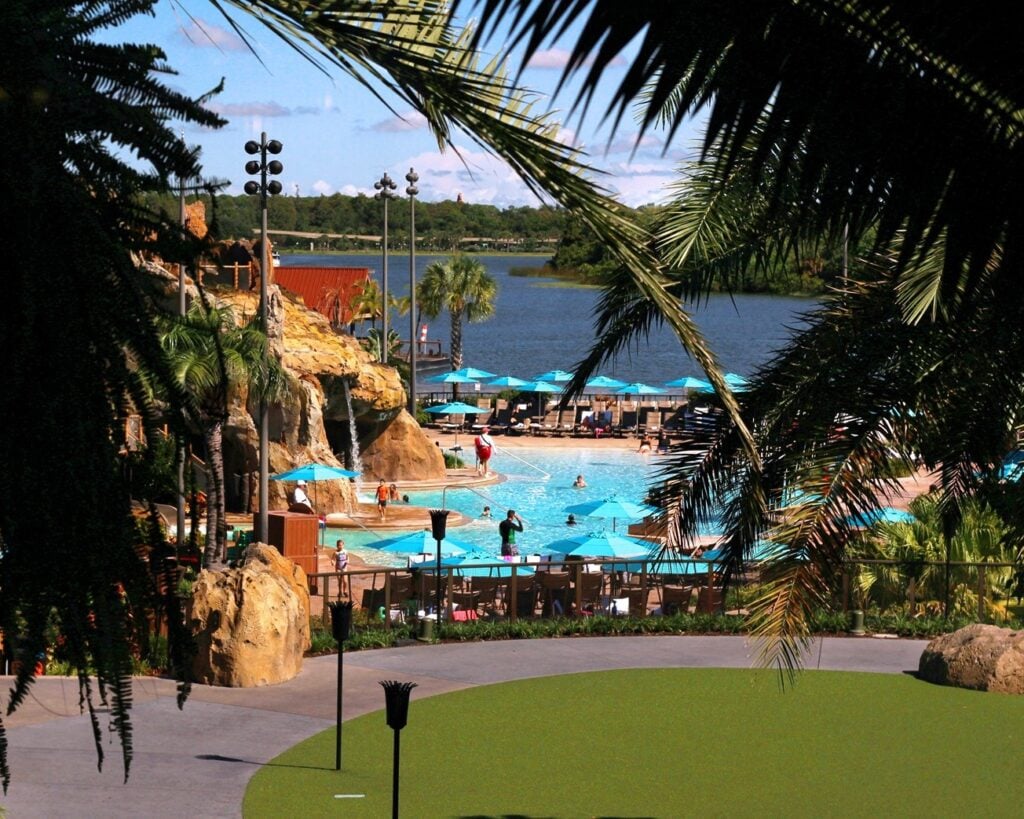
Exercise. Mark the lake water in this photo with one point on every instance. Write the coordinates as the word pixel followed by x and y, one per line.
pixel 540 324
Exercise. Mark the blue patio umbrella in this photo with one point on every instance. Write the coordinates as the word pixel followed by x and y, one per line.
pixel 539 387
pixel 315 472
pixel 453 377
pixel 884 514
pixel 478 565
pixel 506 381
pixel 454 408
pixel 474 373
pixel 603 382
pixel 554 375
pixel 735 380
pixel 611 508
pixel 691 383
pixel 600 544
pixel 636 388
pixel 422 542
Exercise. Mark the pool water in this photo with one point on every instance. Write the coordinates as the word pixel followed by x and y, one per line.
pixel 538 485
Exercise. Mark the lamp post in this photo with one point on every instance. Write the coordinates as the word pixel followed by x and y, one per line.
pixel 385 187
pixel 396 701
pixel 438 524
pixel 412 178
pixel 263 188
pixel 180 510
pixel 341 625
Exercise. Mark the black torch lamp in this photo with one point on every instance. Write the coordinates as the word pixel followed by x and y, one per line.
pixel 341 626
pixel 438 526
pixel 396 700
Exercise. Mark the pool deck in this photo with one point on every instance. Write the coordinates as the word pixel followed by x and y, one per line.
pixel 197 762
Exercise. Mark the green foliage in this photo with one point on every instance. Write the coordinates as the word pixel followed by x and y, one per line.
pixel 152 473
pixel 453 461
pixel 462 288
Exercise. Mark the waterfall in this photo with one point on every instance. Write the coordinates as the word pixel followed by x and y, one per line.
pixel 353 449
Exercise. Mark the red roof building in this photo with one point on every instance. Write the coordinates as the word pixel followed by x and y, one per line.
pixel 328 290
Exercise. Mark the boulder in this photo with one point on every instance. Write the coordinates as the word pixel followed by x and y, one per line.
pixel 985 658
pixel 251 624
pixel 397 449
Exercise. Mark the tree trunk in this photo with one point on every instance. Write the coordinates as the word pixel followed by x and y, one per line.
pixel 216 522
pixel 455 319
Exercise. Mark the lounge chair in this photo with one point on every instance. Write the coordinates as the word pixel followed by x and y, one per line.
pixel 676 599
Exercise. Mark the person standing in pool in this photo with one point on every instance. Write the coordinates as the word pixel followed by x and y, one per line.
pixel 508 528
pixel 383 495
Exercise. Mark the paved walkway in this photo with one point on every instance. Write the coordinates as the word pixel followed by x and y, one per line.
pixel 197 762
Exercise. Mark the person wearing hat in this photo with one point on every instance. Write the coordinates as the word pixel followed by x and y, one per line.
pixel 300 498
pixel 484 447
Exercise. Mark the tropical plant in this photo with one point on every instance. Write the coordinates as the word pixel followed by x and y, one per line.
pixel 462 287
pixel 920 550
pixel 214 359
pixel 831 123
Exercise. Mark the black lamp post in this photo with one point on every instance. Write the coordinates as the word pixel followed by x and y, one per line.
pixel 412 178
pixel 341 626
pixel 438 526
pixel 263 188
pixel 396 700
pixel 180 511
pixel 385 187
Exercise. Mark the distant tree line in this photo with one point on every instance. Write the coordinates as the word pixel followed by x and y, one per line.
pixel 442 226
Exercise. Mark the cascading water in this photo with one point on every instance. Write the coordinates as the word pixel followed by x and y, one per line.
pixel 355 464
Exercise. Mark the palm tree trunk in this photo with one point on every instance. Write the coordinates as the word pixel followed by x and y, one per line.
pixel 216 521
pixel 455 319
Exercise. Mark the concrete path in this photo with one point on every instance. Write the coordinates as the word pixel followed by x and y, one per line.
pixel 197 762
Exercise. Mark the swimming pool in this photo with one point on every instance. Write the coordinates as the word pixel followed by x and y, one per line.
pixel 538 485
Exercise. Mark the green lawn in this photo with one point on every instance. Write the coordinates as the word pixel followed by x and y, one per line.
pixel 670 742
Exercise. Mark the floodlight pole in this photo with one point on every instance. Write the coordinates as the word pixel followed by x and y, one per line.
pixel 412 178
pixel 262 167
pixel 385 187
pixel 180 511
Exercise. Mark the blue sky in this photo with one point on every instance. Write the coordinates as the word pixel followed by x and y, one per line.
pixel 338 137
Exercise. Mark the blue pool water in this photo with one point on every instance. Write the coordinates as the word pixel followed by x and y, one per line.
pixel 538 485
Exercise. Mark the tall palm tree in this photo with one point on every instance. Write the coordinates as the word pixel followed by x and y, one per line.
pixel 462 287
pixel 214 358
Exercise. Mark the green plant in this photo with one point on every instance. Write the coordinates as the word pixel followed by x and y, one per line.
pixel 453 461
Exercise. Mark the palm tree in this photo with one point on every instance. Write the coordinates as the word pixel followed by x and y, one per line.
pixel 462 287
pixel 214 358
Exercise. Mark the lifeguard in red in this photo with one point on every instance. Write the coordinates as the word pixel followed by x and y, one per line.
pixel 484 447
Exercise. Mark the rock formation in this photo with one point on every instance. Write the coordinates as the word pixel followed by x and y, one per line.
pixel 251 624
pixel 331 372
pixel 985 658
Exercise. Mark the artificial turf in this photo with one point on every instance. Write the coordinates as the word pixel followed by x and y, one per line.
pixel 666 743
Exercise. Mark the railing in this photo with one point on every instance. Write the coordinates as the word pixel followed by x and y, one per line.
pixel 394 589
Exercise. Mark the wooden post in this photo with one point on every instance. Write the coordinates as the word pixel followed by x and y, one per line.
pixel 846 590
pixel 235 275
pixel 514 594
pixel 387 601
pixel 912 595
pixel 579 588
pixel 981 593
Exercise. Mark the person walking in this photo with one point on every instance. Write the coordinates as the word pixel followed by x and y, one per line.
pixel 383 494
pixel 508 528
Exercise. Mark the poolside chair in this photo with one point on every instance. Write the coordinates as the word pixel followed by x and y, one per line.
pixel 710 599
pixel 556 592
pixel 486 591
pixel 526 591
pixel 401 591
pixel 589 588
pixel 676 599
pixel 638 599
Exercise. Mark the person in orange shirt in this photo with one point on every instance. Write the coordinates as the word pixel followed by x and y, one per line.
pixel 383 493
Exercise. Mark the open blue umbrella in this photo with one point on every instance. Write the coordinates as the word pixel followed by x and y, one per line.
pixel 691 383
pixel 611 508
pixel 636 388
pixel 554 375
pixel 454 408
pixel 478 565
pixel 885 514
pixel 422 542
pixel 315 472
pixel 539 387
pixel 600 544
pixel 603 382
pixel 506 381
pixel 453 377
pixel 474 373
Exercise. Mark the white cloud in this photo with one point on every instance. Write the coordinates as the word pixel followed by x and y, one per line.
pixel 249 109
pixel 409 121
pixel 202 34
pixel 323 188
pixel 549 58
pixel 481 179
pixel 627 143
